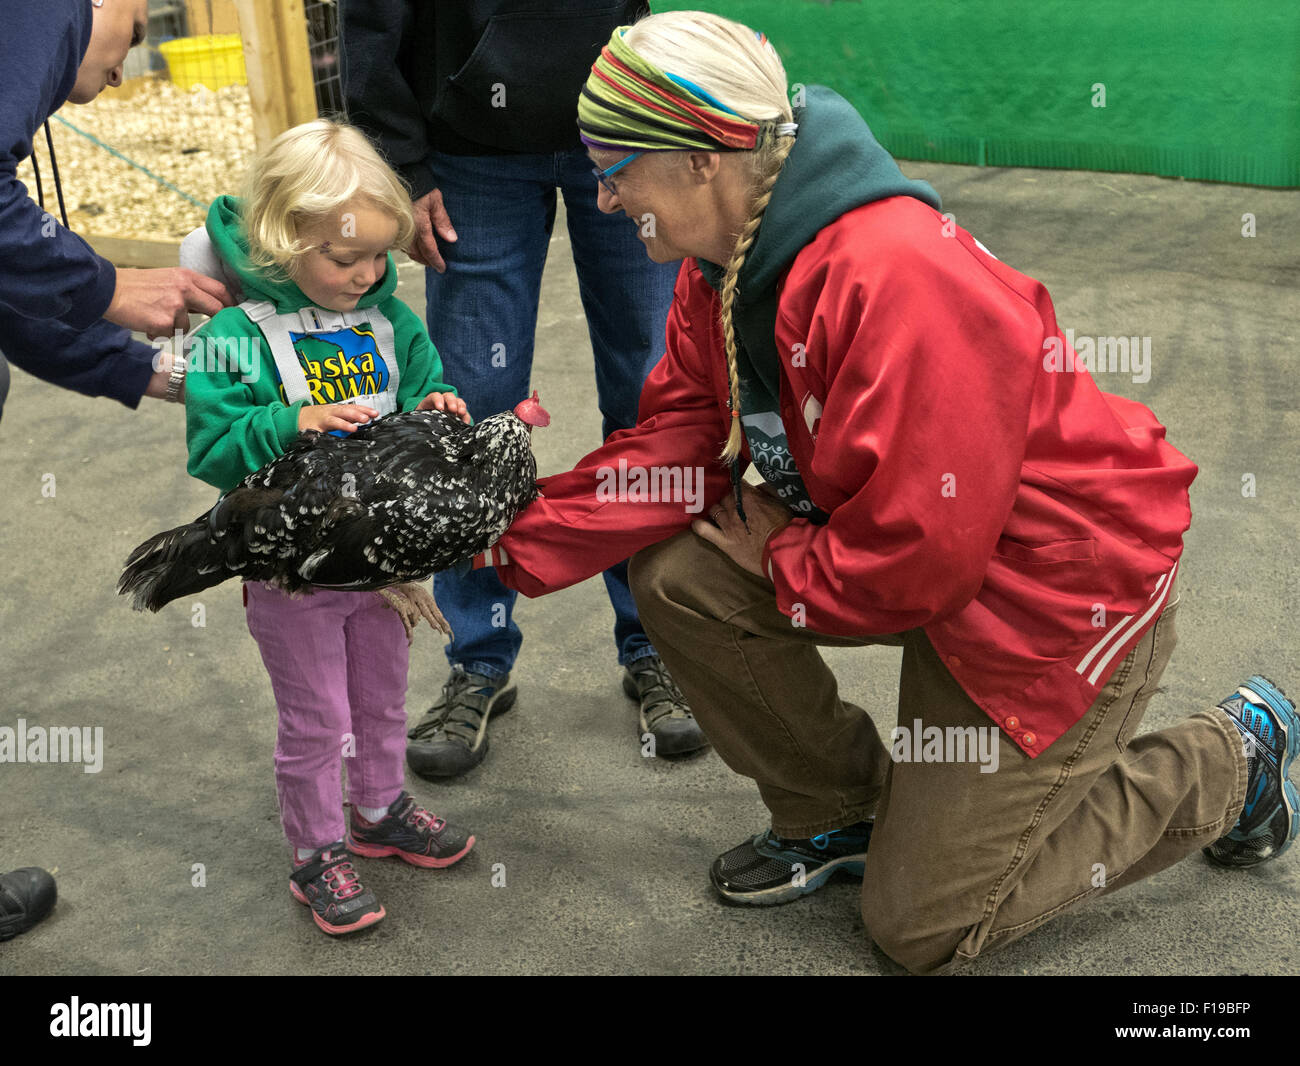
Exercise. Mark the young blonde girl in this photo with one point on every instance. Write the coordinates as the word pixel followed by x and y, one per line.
pixel 321 342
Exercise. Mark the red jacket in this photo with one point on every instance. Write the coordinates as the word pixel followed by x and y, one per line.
pixel 1030 523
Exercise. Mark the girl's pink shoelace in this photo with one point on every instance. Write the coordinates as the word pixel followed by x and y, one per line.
pixel 342 880
pixel 423 819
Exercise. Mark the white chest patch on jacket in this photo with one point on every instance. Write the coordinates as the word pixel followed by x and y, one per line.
pixel 812 413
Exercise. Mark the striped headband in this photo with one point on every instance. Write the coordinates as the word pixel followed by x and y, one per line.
pixel 630 103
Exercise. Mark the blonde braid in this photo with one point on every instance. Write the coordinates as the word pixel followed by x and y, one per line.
pixel 776 160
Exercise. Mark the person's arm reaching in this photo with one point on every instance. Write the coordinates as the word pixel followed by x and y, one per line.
pixel 48 273
pixel 100 360
pixel 595 515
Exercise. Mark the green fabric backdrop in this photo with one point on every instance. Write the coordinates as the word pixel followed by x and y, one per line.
pixel 1204 89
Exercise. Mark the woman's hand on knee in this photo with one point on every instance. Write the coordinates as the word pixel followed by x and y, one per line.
pixel 724 529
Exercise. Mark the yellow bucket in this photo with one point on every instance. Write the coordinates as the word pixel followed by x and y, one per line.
pixel 211 61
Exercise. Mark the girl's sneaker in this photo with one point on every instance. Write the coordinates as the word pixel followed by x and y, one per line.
pixel 329 885
pixel 410 832
pixel 1270 731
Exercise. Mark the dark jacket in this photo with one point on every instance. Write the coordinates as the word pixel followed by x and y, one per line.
pixel 475 77
pixel 54 289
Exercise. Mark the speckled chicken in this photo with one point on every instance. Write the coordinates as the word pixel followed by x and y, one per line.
pixel 394 502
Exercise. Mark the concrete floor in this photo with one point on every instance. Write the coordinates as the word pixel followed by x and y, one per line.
pixel 606 853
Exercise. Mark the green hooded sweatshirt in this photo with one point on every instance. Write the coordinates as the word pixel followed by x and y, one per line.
pixel 835 166
pixel 236 418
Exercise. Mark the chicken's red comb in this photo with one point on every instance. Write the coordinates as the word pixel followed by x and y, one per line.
pixel 532 413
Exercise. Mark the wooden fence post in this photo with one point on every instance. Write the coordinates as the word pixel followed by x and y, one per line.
pixel 278 60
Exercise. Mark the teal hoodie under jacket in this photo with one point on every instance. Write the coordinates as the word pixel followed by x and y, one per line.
pixel 834 166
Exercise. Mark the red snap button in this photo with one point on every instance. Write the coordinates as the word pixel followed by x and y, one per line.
pixel 954 661
pixel 1029 740
pixel 1012 723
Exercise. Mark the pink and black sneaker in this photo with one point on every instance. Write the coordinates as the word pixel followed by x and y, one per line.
pixel 329 885
pixel 412 833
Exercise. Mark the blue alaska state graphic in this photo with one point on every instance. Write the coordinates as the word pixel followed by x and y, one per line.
pixel 340 365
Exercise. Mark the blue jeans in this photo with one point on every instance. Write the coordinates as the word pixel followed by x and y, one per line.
pixel 482 316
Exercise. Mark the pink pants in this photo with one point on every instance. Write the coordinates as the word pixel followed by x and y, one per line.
pixel 338 664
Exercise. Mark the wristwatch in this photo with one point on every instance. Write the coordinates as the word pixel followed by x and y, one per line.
pixel 176 381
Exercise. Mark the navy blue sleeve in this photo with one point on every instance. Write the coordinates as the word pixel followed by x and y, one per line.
pixel 377 96
pixel 100 360
pixel 46 272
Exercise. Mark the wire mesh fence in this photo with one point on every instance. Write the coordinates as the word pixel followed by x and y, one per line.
pixel 323 35
pixel 146 159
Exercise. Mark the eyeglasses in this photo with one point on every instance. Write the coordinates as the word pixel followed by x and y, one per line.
pixel 602 176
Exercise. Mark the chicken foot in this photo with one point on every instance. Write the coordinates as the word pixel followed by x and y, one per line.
pixel 412 602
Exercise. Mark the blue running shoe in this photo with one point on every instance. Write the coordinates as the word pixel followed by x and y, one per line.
pixel 769 869
pixel 1270 731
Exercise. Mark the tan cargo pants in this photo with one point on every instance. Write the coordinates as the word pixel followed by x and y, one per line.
pixel 961 861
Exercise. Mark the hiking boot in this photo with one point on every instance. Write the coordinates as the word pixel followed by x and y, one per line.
pixel 452 736
pixel 1270 732
pixel 665 714
pixel 770 869
pixel 26 897
pixel 329 885
pixel 411 833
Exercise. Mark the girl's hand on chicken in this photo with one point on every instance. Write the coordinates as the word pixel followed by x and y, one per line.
pixel 326 417
pixel 447 403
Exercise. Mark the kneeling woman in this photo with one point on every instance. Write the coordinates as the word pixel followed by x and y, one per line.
pixel 933 481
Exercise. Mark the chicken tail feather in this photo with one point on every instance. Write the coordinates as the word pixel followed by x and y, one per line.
pixel 176 563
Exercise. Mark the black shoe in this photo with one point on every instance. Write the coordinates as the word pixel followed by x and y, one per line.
pixel 665 715
pixel 452 736
pixel 26 897
pixel 769 869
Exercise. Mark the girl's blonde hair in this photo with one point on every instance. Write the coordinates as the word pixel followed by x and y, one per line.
pixel 728 60
pixel 307 173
